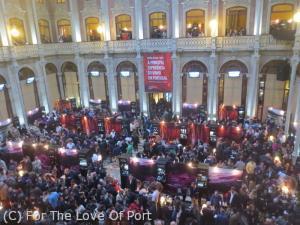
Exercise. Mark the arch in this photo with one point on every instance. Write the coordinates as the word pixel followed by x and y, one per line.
pixel 6 108
pixel 2 79
pixel 64 30
pixel 44 29
pixel 194 78
pixel 194 66
pixel 17 31
pixel 126 65
pixel 93 29
pixel 233 65
pixel 68 67
pixel 53 82
pixel 25 73
pixel 272 65
pixel 195 22
pixel 123 27
pixel 273 89
pixel 158 24
pixel 127 81
pixel 51 68
pixel 96 66
pixel 29 88
pixel 280 12
pixel 232 87
pixel 97 81
pixel 236 21
pixel 71 81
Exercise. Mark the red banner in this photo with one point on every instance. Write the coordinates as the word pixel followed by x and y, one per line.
pixel 158 72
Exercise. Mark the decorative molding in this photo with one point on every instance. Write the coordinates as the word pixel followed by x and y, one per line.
pixel 61 11
pixel 42 11
pixel 228 3
pixel 90 9
pixel 195 4
pixel 157 5
pixel 13 9
pixel 273 2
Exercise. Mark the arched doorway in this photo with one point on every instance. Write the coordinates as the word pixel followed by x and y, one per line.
pixel 5 109
pixel 232 89
pixel 17 31
pixel 53 83
pixel 282 15
pixel 44 29
pixel 97 81
pixel 64 30
pixel 236 21
pixel 158 25
pixel 127 82
pixel 93 29
pixel 274 85
pixel 194 83
pixel 123 27
pixel 195 23
pixel 70 81
pixel 29 89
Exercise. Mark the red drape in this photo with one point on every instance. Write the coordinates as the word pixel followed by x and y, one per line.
pixel 234 133
pixel 228 113
pixel 111 124
pixel 202 132
pixel 169 131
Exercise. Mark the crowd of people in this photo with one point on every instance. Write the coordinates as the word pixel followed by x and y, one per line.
pixel 267 194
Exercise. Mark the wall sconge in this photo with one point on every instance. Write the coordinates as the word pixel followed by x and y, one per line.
pixel 100 29
pixel 297 17
pixel 14 32
pixel 213 24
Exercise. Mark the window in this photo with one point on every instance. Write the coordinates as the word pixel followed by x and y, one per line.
pixel 236 20
pixel 282 16
pixel 60 1
pixel 44 31
pixel 195 23
pixel 158 25
pixel 64 30
pixel 123 27
pixel 92 29
pixel 17 31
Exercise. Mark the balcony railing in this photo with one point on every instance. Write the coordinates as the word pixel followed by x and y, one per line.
pixel 238 43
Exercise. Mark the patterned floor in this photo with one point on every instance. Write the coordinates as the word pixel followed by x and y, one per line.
pixel 113 169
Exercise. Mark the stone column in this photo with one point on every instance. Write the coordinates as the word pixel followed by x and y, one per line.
pixel 33 21
pixel 258 17
pixel 213 87
pixel 83 81
pixel 112 83
pixel 215 17
pixel 76 32
pixel 42 85
pixel 3 28
pixel 296 152
pixel 139 32
pixel 175 19
pixel 104 13
pixel 61 84
pixel 294 64
pixel 142 94
pixel 16 94
pixel 177 87
pixel 252 87
pixel 297 112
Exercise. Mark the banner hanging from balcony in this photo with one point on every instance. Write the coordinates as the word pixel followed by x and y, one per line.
pixel 158 72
